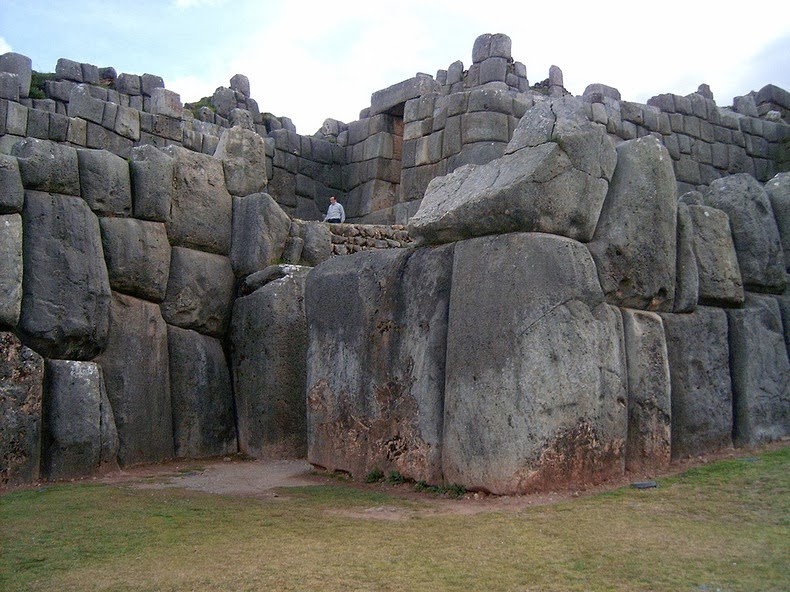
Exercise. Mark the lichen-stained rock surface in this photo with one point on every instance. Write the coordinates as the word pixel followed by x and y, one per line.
pixel 137 255
pixel 199 292
pixel 720 282
pixel 760 372
pixel 65 289
pixel 634 246
pixel 201 208
pixel 699 362
pixel 649 404
pixel 536 377
pixel 268 355
pixel 10 269
pixel 553 178
pixel 778 190
pixel 79 434
pixel 200 394
pixel 260 229
pixel 754 230
pixel 21 385
pixel 377 325
pixel 137 378
pixel 243 159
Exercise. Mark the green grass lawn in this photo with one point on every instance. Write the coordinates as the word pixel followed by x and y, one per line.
pixel 723 526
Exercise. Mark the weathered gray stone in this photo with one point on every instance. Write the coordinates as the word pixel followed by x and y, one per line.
pixel 720 280
pixel 47 166
pixel 778 190
pixel 12 193
pixel 383 101
pixel 199 292
pixel 240 83
pixel 754 230
pixel 648 447
pixel 243 157
pixel 137 255
pixel 274 272
pixel 536 376
pixel 201 208
pixel 760 372
pixel 317 242
pixel 149 83
pixel 85 106
pixel 687 273
pixel 166 102
pixel 21 383
pixel 200 394
pixel 128 84
pixel 375 363
pixel 66 292
pixel 224 101
pixel 699 367
pixel 635 242
pixel 260 229
pixel 79 434
pixel 9 86
pixel 152 183
pixel 68 70
pixel 136 376
pixel 105 182
pixel 595 93
pixel 20 65
pixel 268 356
pixel 10 269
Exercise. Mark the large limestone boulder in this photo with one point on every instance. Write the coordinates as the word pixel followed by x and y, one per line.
pixel 199 292
pixel 377 325
pixel 137 255
pixel 649 443
pixel 754 230
pixel 536 394
pixel 699 367
pixel 720 282
pixel 268 345
pixel 260 229
pixel 21 386
pixel 778 190
pixel 66 291
pixel 553 178
pixel 10 269
pixel 760 372
pixel 47 166
pixel 201 208
pixel 152 179
pixel 200 394
pixel 137 378
pixel 243 157
pixel 634 246
pixel 79 427
pixel 687 272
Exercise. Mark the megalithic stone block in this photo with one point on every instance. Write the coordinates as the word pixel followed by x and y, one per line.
pixel 375 363
pixel 536 393
pixel 66 292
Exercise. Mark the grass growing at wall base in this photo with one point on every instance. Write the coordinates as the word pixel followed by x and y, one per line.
pixel 724 526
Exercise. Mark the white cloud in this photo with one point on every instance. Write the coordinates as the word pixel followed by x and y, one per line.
pixel 4 46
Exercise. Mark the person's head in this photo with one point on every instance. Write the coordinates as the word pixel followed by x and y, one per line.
pixel 332 199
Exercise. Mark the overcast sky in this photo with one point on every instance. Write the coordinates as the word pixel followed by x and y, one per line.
pixel 313 59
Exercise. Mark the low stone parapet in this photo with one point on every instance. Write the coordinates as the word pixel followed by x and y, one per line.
pixel 352 238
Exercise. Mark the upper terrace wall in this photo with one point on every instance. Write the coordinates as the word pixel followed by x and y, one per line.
pixel 380 165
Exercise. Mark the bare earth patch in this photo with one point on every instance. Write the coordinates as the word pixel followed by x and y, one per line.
pixel 264 479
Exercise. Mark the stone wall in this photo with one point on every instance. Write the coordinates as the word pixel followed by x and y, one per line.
pixel 414 131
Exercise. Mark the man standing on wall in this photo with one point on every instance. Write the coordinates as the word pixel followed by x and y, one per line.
pixel 335 212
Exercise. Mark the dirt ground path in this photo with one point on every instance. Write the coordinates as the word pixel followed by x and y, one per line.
pixel 264 479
